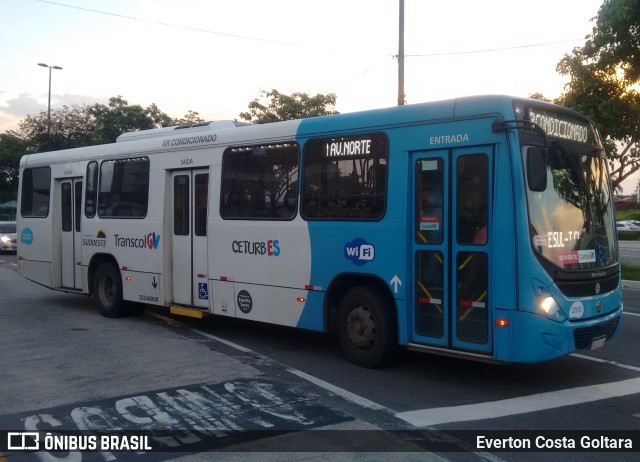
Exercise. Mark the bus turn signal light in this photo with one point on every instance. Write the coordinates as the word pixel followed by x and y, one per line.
pixel 502 323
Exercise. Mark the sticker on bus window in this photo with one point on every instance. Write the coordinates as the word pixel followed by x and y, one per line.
pixel 429 165
pixel 586 256
pixel 540 240
pixel 429 223
pixel 567 258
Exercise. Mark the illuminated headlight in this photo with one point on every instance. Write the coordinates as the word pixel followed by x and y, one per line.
pixel 5 239
pixel 548 306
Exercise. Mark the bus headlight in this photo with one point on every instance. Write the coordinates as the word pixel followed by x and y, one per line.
pixel 548 306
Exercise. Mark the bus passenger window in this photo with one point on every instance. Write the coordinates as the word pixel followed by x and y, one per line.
pixel 345 178
pixel 36 191
pixel 260 182
pixel 92 190
pixel 124 188
pixel 472 199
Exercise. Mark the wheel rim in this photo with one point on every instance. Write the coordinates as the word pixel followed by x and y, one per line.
pixel 108 290
pixel 361 327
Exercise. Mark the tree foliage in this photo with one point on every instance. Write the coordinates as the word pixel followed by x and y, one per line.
pixel 73 127
pixel 274 106
pixel 602 76
pixel 82 125
pixel 12 147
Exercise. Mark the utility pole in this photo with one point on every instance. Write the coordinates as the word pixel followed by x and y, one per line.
pixel 401 100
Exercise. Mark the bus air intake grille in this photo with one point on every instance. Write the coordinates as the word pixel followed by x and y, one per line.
pixel 583 336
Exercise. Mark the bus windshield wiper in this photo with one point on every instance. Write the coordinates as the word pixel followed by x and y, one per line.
pixel 583 183
pixel 576 168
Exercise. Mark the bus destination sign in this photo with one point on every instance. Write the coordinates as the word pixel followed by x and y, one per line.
pixel 555 125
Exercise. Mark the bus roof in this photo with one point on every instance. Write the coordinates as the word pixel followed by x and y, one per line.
pixel 224 133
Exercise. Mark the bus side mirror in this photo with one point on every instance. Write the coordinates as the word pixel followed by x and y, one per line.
pixel 537 169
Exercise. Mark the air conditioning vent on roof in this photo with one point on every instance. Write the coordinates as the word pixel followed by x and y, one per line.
pixel 166 131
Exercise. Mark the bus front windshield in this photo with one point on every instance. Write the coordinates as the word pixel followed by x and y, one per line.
pixel 570 209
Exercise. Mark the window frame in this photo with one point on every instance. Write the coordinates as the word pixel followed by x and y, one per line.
pixel 226 191
pixel 101 207
pixel 379 140
pixel 30 202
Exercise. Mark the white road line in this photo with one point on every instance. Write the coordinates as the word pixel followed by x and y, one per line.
pixel 632 314
pixel 345 394
pixel 605 361
pixel 357 399
pixel 521 405
pixel 352 397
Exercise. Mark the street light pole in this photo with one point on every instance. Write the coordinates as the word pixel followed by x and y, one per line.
pixel 49 105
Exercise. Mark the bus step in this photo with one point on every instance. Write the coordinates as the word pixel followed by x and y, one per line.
pixel 187 311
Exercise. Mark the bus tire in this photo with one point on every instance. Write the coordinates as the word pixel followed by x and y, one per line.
pixel 107 291
pixel 366 327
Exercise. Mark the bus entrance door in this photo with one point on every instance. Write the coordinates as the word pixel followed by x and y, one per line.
pixel 70 236
pixel 451 300
pixel 190 192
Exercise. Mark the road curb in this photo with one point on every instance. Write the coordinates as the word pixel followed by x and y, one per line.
pixel 633 285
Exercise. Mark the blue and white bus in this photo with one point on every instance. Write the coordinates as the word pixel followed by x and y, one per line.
pixel 480 227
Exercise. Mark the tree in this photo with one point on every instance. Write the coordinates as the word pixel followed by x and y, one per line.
pixel 118 117
pixel 602 77
pixel 278 106
pixel 12 147
pixel 190 118
pixel 82 125
pixel 616 38
pixel 71 127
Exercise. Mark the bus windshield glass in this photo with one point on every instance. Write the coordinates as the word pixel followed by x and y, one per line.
pixel 571 217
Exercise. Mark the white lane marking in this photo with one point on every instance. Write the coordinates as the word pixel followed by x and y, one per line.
pixel 632 314
pixel 521 405
pixel 606 361
pixel 345 394
pixel 349 396
pixel 226 342
pixel 357 399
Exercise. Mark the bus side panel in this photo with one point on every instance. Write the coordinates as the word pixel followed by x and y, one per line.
pixel 503 279
pixel 35 245
pixel 269 263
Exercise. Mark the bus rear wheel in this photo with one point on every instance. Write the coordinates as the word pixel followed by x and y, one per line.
pixel 107 291
pixel 366 327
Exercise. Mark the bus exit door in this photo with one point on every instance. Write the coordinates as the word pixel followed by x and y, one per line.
pixel 190 196
pixel 70 237
pixel 451 249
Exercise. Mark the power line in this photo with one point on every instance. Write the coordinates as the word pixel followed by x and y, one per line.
pixel 487 50
pixel 167 24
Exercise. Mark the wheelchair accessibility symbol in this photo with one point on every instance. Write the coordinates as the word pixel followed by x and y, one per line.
pixel 203 291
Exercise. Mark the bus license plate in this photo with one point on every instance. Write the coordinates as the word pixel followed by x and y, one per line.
pixel 598 342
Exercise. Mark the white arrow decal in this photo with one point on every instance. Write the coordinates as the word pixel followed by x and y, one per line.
pixel 395 282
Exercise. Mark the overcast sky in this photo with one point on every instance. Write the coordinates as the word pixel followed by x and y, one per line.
pixel 214 56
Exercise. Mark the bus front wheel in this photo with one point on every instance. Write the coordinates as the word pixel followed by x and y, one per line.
pixel 366 327
pixel 107 291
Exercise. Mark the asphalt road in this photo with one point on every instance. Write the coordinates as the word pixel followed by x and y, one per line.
pixel 629 251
